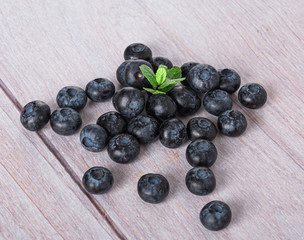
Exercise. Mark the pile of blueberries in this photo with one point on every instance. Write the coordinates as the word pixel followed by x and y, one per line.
pixel 142 117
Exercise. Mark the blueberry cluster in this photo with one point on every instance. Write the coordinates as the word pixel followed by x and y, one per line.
pixel 142 117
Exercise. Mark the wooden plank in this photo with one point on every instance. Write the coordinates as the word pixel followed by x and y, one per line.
pixel 48 46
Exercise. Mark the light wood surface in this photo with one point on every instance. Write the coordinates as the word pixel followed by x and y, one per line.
pixel 46 45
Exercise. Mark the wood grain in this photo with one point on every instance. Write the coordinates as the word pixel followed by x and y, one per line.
pixel 49 45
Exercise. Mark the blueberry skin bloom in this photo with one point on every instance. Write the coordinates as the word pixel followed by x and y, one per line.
pixel 35 115
pixel 93 138
pixel 97 180
pixel 161 107
pixel 252 95
pixel 144 128
pixel 230 80
pixel 72 97
pixel 201 153
pixel 202 78
pixel 129 102
pixel 65 121
pixel 200 181
pixel 100 89
pixel 200 127
pixel 137 51
pixel 156 61
pixel 123 148
pixel 172 133
pixel 187 101
pixel 215 215
pixel 217 101
pixel 232 123
pixel 113 122
pixel 153 188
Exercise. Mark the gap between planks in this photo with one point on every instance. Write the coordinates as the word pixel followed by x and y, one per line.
pixel 65 165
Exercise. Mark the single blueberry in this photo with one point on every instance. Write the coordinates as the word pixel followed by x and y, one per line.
pixel 35 115
pixel 200 127
pixel 161 107
pixel 123 148
pixel 65 121
pixel 137 51
pixel 230 80
pixel 153 188
pixel 252 95
pixel 215 215
pixel 172 133
pixel 97 180
pixel 72 97
pixel 120 73
pixel 200 181
pixel 185 70
pixel 156 61
pixel 100 89
pixel 232 123
pixel 113 122
pixel 201 153
pixel 93 138
pixel 217 101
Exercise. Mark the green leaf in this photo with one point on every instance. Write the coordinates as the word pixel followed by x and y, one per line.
pixel 153 91
pixel 169 88
pixel 149 74
pixel 169 82
pixel 161 74
pixel 174 73
pixel 159 92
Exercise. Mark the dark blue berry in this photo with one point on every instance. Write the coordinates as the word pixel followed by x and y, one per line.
pixel 35 115
pixel 230 80
pixel 156 61
pixel 232 123
pixel 201 153
pixel 144 128
pixel 200 181
pixel 100 89
pixel 123 148
pixel 72 97
pixel 93 138
pixel 129 102
pixel 113 122
pixel 172 133
pixel 120 73
pixel 186 67
pixel 215 215
pixel 252 95
pixel 65 121
pixel 97 180
pixel 217 101
pixel 137 51
pixel 200 127
pixel 202 78
pixel 161 107
pixel 187 101
pixel 153 188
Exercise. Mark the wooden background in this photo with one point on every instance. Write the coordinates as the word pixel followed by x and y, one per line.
pixel 46 45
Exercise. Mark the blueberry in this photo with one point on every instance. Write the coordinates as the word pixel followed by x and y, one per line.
pixel 186 67
pixel 252 95
pixel 137 51
pixel 65 121
pixel 202 78
pixel 200 181
pixel 156 61
pixel 172 133
pixel 144 128
pixel 215 215
pixel 230 80
pixel 72 97
pixel 232 123
pixel 113 122
pixel 129 101
pixel 100 89
pixel 97 180
pixel 93 138
pixel 120 73
pixel 161 107
pixel 35 115
pixel 200 127
pixel 123 148
pixel 201 153
pixel 187 101
pixel 217 101
pixel 153 188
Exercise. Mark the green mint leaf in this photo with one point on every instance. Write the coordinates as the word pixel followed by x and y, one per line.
pixel 174 73
pixel 153 91
pixel 149 74
pixel 169 82
pixel 161 74
pixel 159 92
pixel 168 88
pixel 163 66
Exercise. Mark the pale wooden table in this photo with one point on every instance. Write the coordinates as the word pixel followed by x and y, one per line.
pixel 46 45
